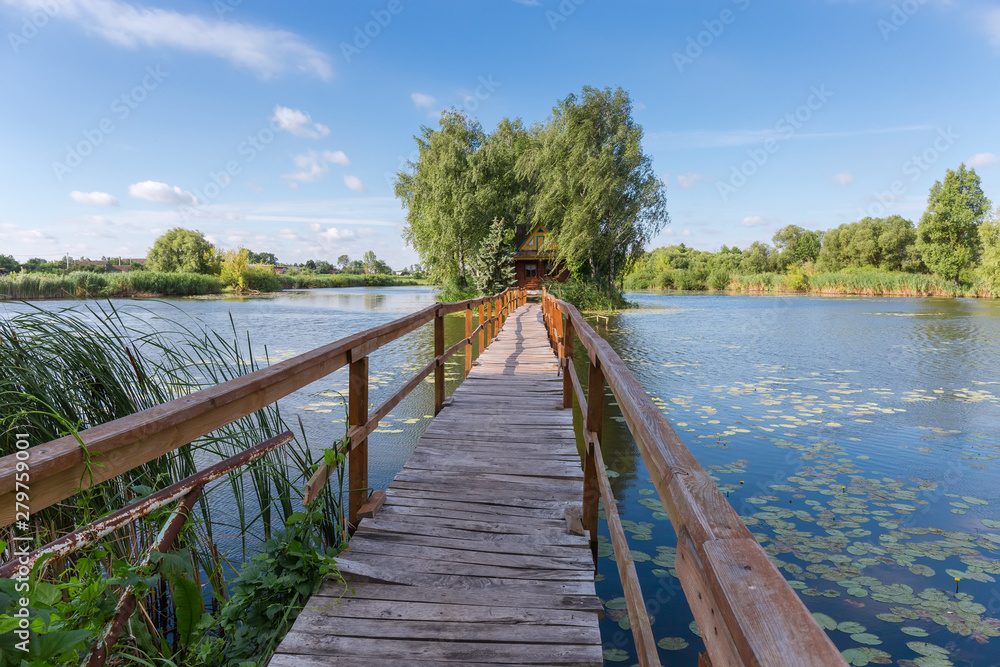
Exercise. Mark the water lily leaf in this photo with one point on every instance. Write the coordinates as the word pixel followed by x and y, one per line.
pixel 866 638
pixel 851 627
pixel 616 603
pixel 913 631
pixel 825 621
pixel 927 649
pixel 615 655
pixel 672 643
pixel 693 626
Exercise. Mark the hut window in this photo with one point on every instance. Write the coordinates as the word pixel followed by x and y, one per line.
pixel 530 271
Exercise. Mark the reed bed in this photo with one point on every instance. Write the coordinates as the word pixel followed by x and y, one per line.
pixel 67 370
pixel 89 285
pixel 311 280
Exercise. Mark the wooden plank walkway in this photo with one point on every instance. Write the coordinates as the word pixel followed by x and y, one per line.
pixel 470 560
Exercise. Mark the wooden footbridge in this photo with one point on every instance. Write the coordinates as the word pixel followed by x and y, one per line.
pixel 482 550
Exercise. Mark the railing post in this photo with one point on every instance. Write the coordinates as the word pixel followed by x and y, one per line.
pixel 357 413
pixel 567 364
pixel 594 423
pixel 438 351
pixel 468 338
pixel 482 326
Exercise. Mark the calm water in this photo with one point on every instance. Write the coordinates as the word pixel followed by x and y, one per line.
pixel 864 432
pixel 858 439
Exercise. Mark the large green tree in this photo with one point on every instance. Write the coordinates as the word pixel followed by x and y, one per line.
pixel 881 243
pixel 594 185
pixel 948 235
pixel 181 251
pixel 444 221
pixel 796 245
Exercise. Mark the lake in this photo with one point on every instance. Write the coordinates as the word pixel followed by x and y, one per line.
pixel 857 437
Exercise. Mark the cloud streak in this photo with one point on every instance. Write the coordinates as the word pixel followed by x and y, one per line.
pixel 298 123
pixel 265 51
pixel 94 198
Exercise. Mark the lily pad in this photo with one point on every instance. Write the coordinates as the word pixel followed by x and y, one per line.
pixel 866 638
pixel 914 632
pixel 615 655
pixel 672 643
pixel 825 621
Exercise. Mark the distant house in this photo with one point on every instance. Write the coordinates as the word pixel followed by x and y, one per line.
pixel 281 270
pixel 535 257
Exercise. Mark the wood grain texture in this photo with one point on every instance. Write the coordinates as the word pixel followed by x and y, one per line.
pixel 469 560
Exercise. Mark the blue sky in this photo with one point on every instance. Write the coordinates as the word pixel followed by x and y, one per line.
pixel 278 126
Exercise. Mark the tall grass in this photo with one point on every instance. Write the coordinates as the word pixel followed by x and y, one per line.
pixel 311 280
pixel 74 368
pixel 89 285
pixel 587 296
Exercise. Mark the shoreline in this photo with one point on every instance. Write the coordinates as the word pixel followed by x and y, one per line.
pixel 819 292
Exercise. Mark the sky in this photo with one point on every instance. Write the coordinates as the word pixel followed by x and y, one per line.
pixel 280 126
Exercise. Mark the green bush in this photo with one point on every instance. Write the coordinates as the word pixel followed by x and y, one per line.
pixel 261 280
pixel 587 296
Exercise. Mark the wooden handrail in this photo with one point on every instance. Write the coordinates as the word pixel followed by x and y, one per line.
pixel 747 612
pixel 59 468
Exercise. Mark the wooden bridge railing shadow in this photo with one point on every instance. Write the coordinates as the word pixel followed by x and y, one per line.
pixel 746 611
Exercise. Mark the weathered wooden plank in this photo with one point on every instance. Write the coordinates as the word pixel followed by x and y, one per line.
pixel 469 560
pixel 454 652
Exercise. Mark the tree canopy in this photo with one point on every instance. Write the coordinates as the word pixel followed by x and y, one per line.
pixel 181 251
pixel 948 235
pixel 583 173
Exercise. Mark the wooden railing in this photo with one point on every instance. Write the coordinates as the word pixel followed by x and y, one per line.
pixel 746 612
pixel 59 469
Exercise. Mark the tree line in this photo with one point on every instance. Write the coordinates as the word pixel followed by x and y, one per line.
pixel 582 172
pixel 957 239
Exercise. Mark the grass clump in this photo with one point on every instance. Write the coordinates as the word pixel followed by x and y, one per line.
pixel 587 296
pixel 89 285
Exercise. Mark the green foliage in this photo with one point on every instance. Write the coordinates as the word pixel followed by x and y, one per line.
pixel 989 270
pixel 596 188
pixel 8 263
pixel 268 595
pixel 456 289
pixel 263 258
pixel 261 279
pixel 493 268
pixel 84 285
pixel 307 280
pixel 796 279
pixel 796 245
pixel 592 296
pixel 234 268
pixel 583 173
pixel 444 221
pixel 880 243
pixel 948 235
pixel 181 251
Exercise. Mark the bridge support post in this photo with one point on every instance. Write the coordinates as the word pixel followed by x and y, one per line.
pixel 594 422
pixel 566 362
pixel 357 409
pixel 438 352
pixel 468 337
pixel 482 326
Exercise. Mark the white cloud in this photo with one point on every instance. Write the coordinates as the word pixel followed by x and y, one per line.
pixel 843 178
pixel 94 198
pixel 686 232
pixel 162 193
pixel 354 183
pixel 981 160
pixel 528 3
pixel 266 51
pixel 298 123
pixel 688 181
pixel 314 165
pixel 332 233
pixel 423 101
pixel 753 221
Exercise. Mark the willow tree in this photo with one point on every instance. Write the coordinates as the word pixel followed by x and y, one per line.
pixel 594 186
pixel 444 221
pixel 948 234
